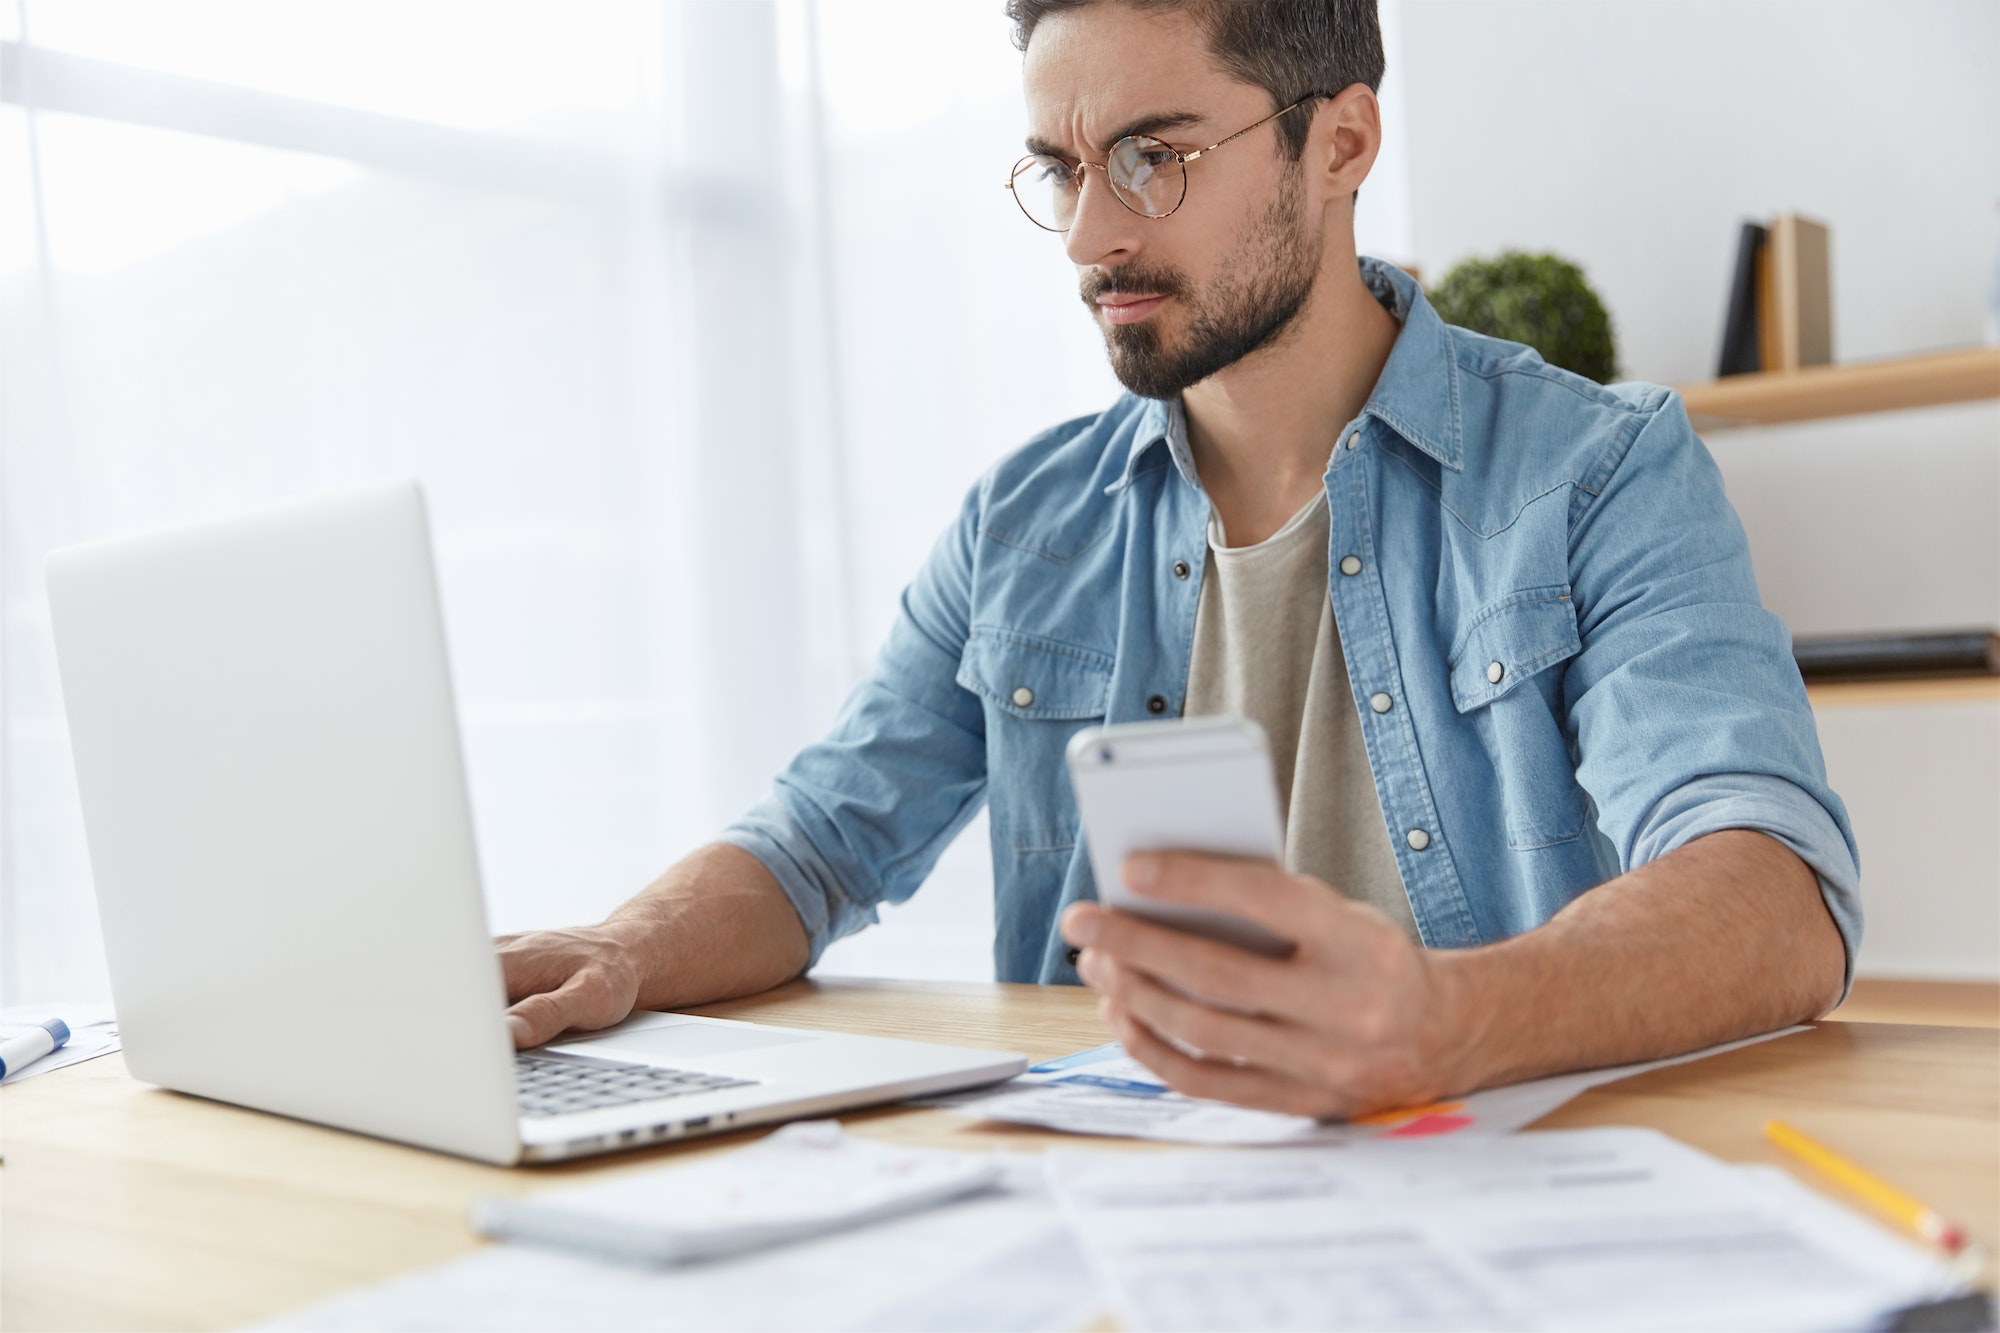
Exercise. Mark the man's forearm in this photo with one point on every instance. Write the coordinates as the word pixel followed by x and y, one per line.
pixel 714 926
pixel 1725 937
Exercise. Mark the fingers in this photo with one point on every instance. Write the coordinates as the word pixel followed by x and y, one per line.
pixel 563 979
pixel 536 961
pixel 1192 1027
pixel 545 1015
pixel 1256 1088
pixel 542 960
pixel 1335 937
pixel 1345 1024
pixel 585 1001
pixel 541 1016
pixel 1258 890
pixel 1205 967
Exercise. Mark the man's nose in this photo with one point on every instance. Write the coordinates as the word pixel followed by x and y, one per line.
pixel 1102 229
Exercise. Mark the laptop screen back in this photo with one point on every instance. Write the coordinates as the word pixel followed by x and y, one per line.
pixel 261 714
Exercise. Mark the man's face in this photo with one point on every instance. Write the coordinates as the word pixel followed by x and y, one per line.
pixel 1182 297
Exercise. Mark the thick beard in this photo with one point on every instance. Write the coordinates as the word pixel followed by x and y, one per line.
pixel 1249 305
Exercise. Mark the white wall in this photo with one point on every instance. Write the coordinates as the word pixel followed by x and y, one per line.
pixel 1873 524
pixel 1634 135
pixel 1920 782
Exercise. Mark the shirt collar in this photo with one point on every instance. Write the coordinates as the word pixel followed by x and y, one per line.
pixel 1417 395
pixel 1155 424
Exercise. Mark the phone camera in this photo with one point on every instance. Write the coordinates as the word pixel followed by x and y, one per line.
pixel 1105 754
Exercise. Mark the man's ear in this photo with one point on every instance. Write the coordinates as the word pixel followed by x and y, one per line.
pixel 1345 137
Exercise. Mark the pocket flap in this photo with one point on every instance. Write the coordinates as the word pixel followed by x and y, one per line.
pixel 1033 677
pixel 1510 643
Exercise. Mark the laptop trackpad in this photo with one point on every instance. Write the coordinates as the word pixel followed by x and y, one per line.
pixel 691 1041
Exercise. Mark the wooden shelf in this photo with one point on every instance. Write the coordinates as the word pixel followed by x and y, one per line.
pixel 1921 690
pixel 1766 399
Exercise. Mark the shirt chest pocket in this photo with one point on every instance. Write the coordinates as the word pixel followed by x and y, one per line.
pixel 1506 676
pixel 1036 693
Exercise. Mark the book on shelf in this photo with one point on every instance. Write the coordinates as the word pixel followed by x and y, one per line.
pixel 1742 350
pixel 1780 313
pixel 1795 326
pixel 1961 652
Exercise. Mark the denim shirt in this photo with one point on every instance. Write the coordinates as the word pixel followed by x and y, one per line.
pixel 1546 580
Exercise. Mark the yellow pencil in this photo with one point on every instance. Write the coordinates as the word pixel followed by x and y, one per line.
pixel 1919 1217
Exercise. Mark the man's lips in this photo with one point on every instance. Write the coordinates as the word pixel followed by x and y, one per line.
pixel 1127 307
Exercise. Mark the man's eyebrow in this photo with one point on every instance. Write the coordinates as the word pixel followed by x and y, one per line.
pixel 1156 124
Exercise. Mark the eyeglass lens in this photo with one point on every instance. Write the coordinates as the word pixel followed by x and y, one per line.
pixel 1145 174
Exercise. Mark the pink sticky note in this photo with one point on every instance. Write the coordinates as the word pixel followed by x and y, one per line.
pixel 1424 1127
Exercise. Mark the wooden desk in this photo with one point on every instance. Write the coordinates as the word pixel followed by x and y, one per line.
pixel 128 1207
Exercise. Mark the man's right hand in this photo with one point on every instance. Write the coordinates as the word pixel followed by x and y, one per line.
pixel 585 977
pixel 715 926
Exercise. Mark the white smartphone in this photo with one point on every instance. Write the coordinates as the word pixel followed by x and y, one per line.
pixel 1188 785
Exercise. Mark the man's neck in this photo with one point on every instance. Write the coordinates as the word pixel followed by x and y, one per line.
pixel 1262 430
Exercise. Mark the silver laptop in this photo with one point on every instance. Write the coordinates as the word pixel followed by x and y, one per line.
pixel 268 754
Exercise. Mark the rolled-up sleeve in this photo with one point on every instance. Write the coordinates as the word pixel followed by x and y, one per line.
pixel 860 818
pixel 1688 709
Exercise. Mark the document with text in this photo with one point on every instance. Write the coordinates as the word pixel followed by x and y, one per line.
pixel 1567 1229
pixel 1000 1261
pixel 1103 1091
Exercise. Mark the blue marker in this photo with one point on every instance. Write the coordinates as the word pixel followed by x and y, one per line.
pixel 32 1045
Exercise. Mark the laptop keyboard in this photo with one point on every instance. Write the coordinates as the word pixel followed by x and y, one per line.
pixel 550 1084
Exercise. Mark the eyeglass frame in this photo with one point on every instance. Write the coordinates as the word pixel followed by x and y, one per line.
pixel 1180 158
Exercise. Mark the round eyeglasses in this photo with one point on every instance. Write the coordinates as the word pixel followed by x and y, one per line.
pixel 1148 175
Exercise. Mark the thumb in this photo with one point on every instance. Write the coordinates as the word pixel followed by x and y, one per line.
pixel 541 1017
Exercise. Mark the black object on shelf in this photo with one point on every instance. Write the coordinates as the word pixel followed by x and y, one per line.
pixel 1965 652
pixel 1742 350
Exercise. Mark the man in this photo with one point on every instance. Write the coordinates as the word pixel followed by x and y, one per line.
pixel 1554 794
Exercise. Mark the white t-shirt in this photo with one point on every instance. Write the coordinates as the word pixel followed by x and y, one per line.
pixel 1265 647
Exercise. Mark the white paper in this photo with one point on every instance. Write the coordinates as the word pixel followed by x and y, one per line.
pixel 997 1261
pixel 806 1178
pixel 1103 1091
pixel 1565 1229
pixel 1041 1284
pixel 93 1031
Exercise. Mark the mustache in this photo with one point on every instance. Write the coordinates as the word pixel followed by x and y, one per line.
pixel 1131 279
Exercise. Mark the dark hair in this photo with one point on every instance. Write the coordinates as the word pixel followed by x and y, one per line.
pixel 1289 48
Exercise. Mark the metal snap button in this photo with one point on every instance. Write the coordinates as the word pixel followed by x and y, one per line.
pixel 1418 839
pixel 1494 672
pixel 1181 569
pixel 1157 704
pixel 1350 565
pixel 1381 703
pixel 1023 696
pixel 1354 440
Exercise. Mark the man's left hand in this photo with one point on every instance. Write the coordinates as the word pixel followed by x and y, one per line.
pixel 1357 1019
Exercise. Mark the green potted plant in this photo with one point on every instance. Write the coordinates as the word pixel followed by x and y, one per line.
pixel 1540 300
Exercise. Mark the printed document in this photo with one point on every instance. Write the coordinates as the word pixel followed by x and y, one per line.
pixel 996 1261
pixel 1104 1091
pixel 1565 1229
